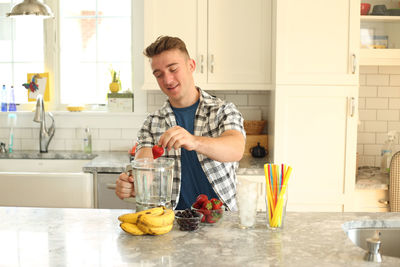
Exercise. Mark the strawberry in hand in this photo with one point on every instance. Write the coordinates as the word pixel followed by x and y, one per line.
pixel 157 151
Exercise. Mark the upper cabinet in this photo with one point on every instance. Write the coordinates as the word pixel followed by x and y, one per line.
pixel 379 35
pixel 230 40
pixel 318 42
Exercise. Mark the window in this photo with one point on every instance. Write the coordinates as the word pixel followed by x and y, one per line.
pixel 21 49
pixel 94 35
pixel 89 38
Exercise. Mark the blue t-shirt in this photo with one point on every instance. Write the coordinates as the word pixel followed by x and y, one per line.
pixel 193 179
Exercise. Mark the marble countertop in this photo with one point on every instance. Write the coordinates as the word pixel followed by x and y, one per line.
pixel 59 154
pixel 92 237
pixel 115 162
pixel 371 178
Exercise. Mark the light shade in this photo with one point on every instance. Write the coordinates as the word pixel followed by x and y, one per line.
pixel 31 8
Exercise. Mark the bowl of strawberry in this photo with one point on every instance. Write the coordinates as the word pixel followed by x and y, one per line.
pixel 211 209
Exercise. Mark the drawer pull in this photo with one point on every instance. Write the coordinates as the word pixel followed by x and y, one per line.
pixel 111 186
pixel 383 201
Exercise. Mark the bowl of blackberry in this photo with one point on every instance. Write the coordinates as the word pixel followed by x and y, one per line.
pixel 188 220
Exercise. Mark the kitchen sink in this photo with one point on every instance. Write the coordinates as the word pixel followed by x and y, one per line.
pixel 45 182
pixel 389 236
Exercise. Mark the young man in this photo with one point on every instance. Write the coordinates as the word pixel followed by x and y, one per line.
pixel 204 134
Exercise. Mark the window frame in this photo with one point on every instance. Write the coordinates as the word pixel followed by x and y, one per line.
pixel 51 48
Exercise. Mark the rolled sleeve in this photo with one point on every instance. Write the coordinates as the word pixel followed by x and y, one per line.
pixel 145 137
pixel 231 119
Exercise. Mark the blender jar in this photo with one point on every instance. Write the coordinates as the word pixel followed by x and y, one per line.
pixel 153 182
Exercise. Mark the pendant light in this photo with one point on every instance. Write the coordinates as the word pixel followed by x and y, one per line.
pixel 31 8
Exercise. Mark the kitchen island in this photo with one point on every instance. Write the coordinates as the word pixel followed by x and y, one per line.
pixel 92 237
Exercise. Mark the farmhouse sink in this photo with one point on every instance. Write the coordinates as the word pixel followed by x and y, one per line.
pixel 45 182
pixel 388 232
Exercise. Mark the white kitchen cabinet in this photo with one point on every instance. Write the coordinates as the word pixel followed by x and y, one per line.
pixel 314 118
pixel 315 133
pixel 230 40
pixel 371 200
pixel 317 42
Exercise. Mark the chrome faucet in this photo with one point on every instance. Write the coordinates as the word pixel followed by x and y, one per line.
pixel 45 135
pixel 3 148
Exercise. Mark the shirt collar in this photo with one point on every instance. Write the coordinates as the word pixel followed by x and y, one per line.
pixel 206 100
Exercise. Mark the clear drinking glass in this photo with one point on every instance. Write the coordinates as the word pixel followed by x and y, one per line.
pixel 276 212
pixel 153 182
pixel 247 197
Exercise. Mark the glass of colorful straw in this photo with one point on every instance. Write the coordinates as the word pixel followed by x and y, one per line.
pixel 276 178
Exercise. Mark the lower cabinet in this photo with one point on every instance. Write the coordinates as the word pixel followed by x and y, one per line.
pixel 371 200
pixel 48 190
pixel 295 199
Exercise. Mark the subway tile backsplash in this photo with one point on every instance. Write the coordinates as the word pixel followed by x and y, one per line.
pixel 117 132
pixel 379 111
pixel 259 100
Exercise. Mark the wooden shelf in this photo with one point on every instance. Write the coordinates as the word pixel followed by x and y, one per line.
pixel 371 18
pixel 390 57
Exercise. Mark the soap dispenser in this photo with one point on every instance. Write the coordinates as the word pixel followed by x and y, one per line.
pixel 87 141
pixel 387 152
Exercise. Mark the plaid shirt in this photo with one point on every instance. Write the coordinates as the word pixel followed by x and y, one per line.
pixel 213 117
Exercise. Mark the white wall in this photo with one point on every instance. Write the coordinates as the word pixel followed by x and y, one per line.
pixel 379 111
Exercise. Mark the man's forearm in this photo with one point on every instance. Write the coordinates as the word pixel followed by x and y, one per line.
pixel 228 147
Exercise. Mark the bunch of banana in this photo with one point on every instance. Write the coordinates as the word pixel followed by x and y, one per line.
pixel 155 221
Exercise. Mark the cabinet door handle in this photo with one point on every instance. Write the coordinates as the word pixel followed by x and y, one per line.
pixel 201 63
pixel 383 201
pixel 352 106
pixel 111 186
pixel 212 63
pixel 354 63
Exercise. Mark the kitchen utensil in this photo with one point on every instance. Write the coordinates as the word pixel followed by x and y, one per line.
pixel 365 7
pixel 258 151
pixel 153 182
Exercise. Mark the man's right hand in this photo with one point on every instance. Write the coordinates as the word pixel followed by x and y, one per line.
pixel 124 186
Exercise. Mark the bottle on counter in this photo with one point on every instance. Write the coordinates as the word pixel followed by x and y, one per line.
pixel 87 141
pixel 12 122
pixel 11 104
pixel 387 152
pixel 4 99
